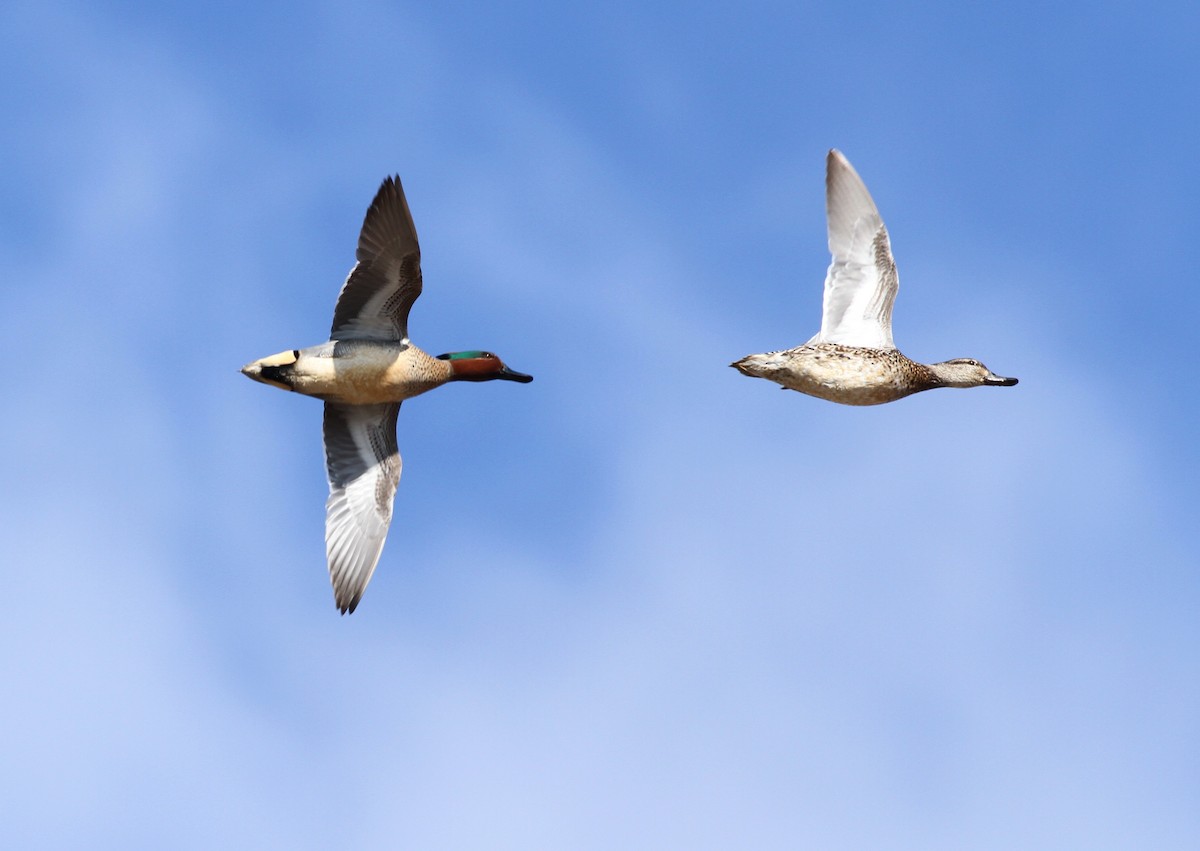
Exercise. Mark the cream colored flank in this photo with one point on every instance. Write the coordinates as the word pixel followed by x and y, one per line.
pixel 363 373
pixel 852 360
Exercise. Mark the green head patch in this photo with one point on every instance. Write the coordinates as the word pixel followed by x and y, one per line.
pixel 471 355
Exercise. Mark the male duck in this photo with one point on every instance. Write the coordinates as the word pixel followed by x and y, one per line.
pixel 363 373
pixel 853 359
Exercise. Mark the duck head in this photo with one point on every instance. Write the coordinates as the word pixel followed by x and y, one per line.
pixel 481 366
pixel 965 372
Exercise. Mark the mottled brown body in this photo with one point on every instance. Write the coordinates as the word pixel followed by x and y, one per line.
pixel 852 360
pixel 851 375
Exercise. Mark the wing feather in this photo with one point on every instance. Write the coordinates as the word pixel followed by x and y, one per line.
pixel 379 293
pixel 861 285
pixel 363 464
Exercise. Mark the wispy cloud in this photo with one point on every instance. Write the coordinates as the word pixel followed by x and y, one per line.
pixel 642 602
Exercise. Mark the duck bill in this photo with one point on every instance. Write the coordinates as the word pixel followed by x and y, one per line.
pixel 512 375
pixel 1001 381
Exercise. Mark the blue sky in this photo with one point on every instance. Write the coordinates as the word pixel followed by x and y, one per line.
pixel 644 601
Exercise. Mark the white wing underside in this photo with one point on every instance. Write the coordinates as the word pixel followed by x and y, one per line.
pixel 861 285
pixel 364 468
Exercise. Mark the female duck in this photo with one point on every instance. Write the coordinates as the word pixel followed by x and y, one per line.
pixel 363 373
pixel 853 359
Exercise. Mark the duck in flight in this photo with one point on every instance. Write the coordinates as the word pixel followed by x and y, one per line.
pixel 363 373
pixel 852 360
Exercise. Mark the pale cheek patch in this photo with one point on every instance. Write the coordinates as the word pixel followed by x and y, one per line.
pixel 281 359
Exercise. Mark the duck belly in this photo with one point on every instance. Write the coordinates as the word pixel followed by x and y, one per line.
pixel 836 373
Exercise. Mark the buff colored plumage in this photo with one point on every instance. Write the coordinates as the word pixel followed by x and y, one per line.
pixel 363 373
pixel 852 360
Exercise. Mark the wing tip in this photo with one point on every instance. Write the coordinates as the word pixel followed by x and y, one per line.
pixel 392 185
pixel 388 224
pixel 847 199
pixel 391 190
pixel 836 163
pixel 348 590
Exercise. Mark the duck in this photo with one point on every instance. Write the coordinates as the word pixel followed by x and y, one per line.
pixel 852 360
pixel 363 373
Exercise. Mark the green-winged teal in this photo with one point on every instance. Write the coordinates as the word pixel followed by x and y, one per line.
pixel 363 373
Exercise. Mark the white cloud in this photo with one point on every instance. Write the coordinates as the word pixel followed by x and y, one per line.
pixel 689 638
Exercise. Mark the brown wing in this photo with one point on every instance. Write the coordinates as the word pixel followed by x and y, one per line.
pixel 386 280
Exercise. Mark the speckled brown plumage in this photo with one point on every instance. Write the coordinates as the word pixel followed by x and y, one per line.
pixel 851 375
pixel 852 359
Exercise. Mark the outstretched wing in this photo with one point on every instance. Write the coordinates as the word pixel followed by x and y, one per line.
pixel 363 464
pixel 861 285
pixel 386 280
